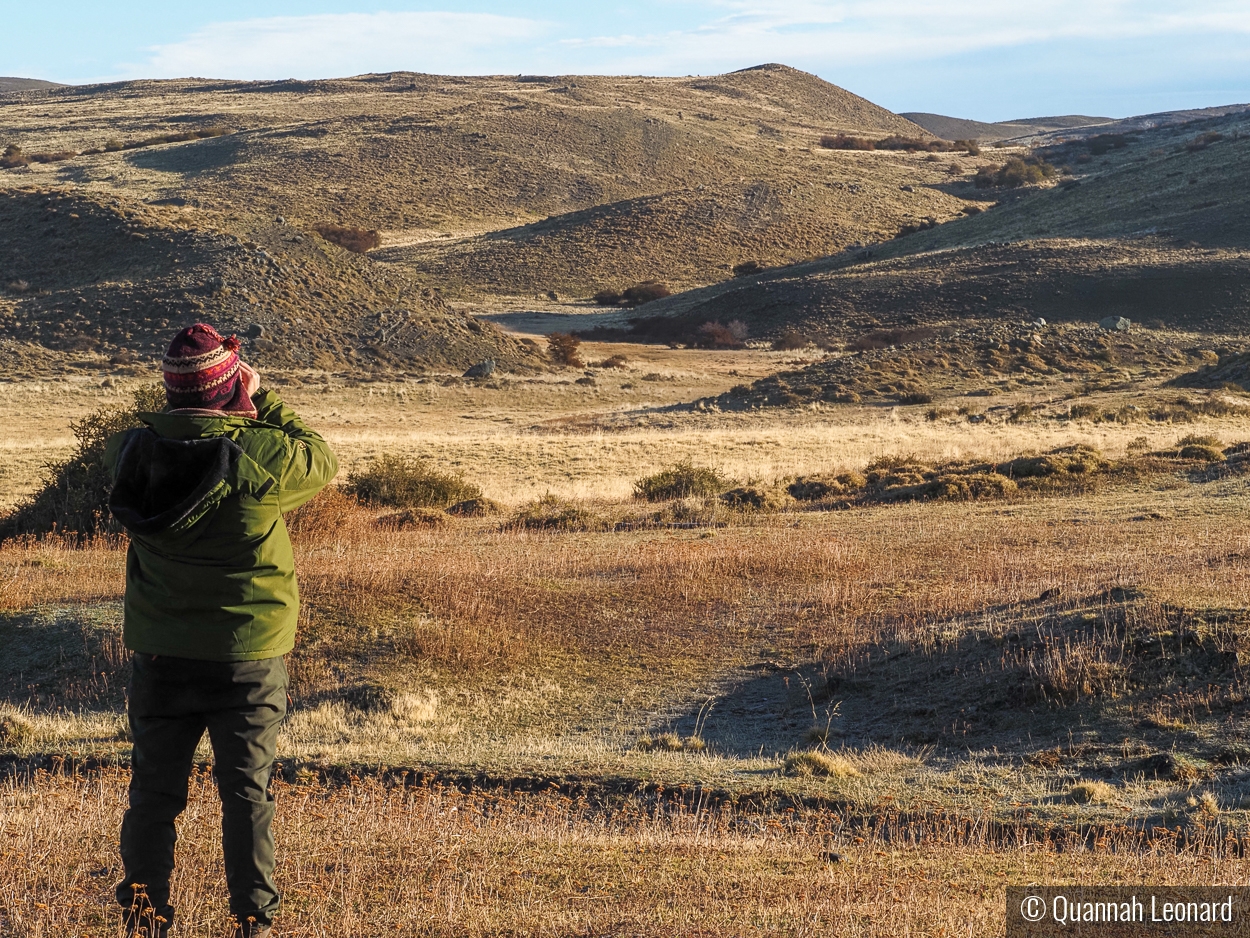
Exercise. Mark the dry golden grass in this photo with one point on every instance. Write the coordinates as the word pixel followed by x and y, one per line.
pixel 367 858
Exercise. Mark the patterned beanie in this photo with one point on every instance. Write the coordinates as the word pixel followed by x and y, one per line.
pixel 201 371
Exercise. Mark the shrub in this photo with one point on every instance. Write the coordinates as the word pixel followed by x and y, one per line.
pixel 400 482
pixel 113 144
pixel 916 397
pixel 55 156
pixel 607 298
pixel 1101 143
pixel 910 144
pixel 746 268
pixel 641 293
pixel 1202 451
pixel 1202 141
pixel 1014 173
pixel 358 240
pixel 754 498
pixel 843 142
pixel 716 335
pixel 971 147
pixel 475 508
pixel 553 513
pixel 563 349
pixel 791 340
pixel 74 497
pixel 1084 411
pixel 680 481
pixel 13 157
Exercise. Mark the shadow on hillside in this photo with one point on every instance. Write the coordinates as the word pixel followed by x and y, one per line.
pixel 1108 676
pixel 191 159
pixel 70 656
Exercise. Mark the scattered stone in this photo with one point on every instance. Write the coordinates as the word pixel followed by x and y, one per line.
pixel 1115 324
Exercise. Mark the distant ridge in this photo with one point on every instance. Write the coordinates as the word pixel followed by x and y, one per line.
pixel 9 85
pixel 1040 130
pixel 955 128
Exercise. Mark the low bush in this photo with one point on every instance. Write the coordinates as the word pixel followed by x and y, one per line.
pixel 475 508
pixel 13 157
pixel 683 480
pixel 1014 173
pixel 971 147
pixel 1102 143
pixel 552 513
pixel 754 498
pixel 747 268
pixel 607 298
pixel 1202 141
pixel 75 492
pixel 716 335
pixel 357 240
pixel 563 348
pixel 844 142
pixel 614 361
pixel 394 481
pixel 54 156
pixel 791 340
pixel 641 293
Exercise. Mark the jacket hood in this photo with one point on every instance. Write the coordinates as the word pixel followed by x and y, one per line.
pixel 167 485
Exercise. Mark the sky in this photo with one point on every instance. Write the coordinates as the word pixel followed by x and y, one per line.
pixel 966 58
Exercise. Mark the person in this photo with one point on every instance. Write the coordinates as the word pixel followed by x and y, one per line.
pixel 210 609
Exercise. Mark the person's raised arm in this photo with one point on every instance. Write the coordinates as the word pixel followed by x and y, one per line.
pixel 309 464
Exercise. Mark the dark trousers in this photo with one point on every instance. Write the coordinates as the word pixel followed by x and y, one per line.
pixel 172 702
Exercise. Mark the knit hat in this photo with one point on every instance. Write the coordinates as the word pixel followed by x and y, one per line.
pixel 201 371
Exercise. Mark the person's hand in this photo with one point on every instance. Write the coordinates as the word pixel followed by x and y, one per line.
pixel 250 378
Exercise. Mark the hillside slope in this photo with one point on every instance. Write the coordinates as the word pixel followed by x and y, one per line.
pixel 957 128
pixel 1157 230
pixel 461 174
pixel 114 279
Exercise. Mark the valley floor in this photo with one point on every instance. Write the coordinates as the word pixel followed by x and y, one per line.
pixel 865 718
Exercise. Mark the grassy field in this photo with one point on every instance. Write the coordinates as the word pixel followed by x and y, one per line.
pixel 661 718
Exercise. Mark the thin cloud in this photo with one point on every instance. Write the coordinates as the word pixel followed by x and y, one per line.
pixel 335 44
pixel 862 33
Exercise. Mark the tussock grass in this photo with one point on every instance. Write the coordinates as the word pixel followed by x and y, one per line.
pixel 831 764
pixel 1090 792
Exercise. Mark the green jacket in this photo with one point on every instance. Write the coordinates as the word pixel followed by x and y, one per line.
pixel 210 573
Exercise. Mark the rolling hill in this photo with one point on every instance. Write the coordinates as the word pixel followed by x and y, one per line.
pixel 498 186
pixel 956 128
pixel 1156 230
